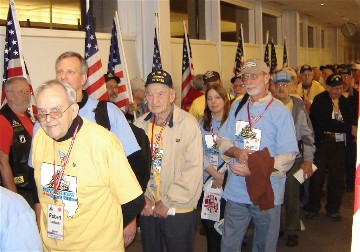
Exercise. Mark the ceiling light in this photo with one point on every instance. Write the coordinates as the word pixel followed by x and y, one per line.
pixel 322 4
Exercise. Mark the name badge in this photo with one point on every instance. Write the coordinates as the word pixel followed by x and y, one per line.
pixel 339 137
pixel 55 222
pixel 214 160
pixel 210 141
pixel 251 138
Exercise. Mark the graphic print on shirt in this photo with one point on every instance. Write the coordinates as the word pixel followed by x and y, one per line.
pixel 250 137
pixel 67 189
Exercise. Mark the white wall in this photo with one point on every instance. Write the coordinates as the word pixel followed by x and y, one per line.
pixel 42 47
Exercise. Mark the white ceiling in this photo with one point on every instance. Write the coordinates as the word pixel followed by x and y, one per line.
pixel 332 13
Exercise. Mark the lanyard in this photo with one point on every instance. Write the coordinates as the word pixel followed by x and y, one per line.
pixel 57 182
pixel 213 136
pixel 158 137
pixel 259 117
pixel 308 93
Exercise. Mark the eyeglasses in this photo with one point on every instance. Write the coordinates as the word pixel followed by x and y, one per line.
pixel 307 74
pixel 281 84
pixel 21 92
pixel 54 114
pixel 238 85
pixel 250 76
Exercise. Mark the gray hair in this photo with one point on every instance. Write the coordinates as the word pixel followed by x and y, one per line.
pixel 69 91
pixel 70 54
pixel 13 80
pixel 198 82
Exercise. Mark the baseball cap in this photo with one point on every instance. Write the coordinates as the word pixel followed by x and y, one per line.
pixel 334 80
pixel 254 66
pixel 159 77
pixel 282 76
pixel 137 83
pixel 305 68
pixel 211 76
pixel 110 76
pixel 237 76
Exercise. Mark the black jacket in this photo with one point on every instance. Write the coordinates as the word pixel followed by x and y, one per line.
pixel 321 116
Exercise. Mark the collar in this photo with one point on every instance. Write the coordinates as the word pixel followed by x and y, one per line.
pixel 263 100
pixel 171 119
pixel 83 100
pixel 77 121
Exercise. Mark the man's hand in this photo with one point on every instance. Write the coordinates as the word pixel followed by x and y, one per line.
pixel 307 169
pixel 160 210
pixel 240 169
pixel 132 108
pixel 129 232
pixel 148 208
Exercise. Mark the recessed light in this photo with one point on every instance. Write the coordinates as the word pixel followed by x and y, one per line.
pixel 322 4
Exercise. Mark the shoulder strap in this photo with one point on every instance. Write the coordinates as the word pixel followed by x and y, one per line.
pixel 219 167
pixel 241 103
pixel 101 115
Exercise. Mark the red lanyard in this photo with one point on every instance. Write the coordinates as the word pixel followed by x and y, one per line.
pixel 57 182
pixel 158 137
pixel 213 136
pixel 259 117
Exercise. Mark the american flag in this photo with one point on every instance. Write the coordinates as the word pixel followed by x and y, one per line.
pixel 95 85
pixel 240 55
pixel 116 67
pixel 285 57
pixel 156 58
pixel 266 55
pixel 187 73
pixel 273 58
pixel 14 63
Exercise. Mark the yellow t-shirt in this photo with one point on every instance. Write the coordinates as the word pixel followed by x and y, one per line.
pixel 310 94
pixel 96 181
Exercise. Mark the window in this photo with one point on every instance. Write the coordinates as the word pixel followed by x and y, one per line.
pixel 301 35
pixel 54 14
pixel 323 39
pixel 61 14
pixel 231 18
pixel 269 24
pixel 187 10
pixel 310 37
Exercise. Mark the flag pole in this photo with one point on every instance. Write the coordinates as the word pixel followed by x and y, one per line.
pixel 157 28
pixel 242 40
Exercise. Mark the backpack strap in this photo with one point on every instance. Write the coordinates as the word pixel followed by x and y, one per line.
pixel 101 115
pixel 241 103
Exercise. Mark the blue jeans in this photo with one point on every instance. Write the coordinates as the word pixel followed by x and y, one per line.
pixel 237 219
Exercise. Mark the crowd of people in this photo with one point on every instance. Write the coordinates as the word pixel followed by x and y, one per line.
pixel 91 175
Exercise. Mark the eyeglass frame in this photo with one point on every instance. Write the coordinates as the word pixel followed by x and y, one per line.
pixel 51 112
pixel 21 92
pixel 252 76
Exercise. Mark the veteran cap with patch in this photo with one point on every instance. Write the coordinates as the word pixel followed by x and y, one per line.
pixel 159 77
pixel 210 76
pixel 254 66
pixel 334 80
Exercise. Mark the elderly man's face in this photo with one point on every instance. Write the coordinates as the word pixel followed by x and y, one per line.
pixel 256 84
pixel 68 70
pixel 112 89
pixel 18 95
pixel 282 90
pixel 159 98
pixel 334 92
pixel 347 82
pixel 307 77
pixel 53 99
